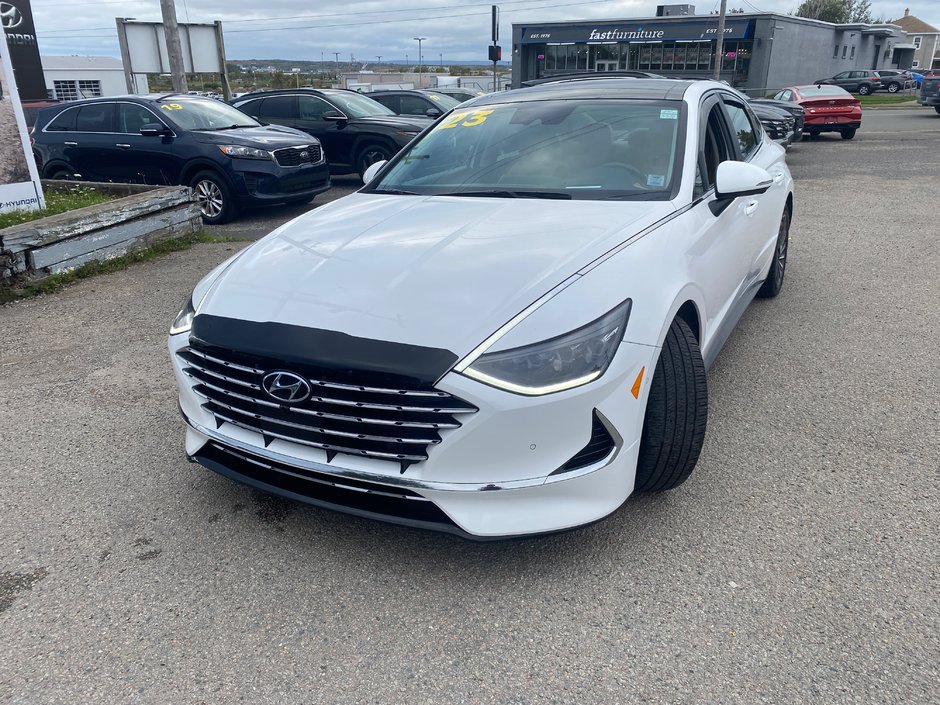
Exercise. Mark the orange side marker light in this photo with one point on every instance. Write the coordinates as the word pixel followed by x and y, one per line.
pixel 635 389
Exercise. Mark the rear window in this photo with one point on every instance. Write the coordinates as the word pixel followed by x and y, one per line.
pixel 820 91
pixel 64 121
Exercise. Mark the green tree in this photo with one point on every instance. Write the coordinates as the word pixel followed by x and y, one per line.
pixel 278 80
pixel 861 11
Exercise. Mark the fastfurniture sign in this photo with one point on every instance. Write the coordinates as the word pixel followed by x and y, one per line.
pixel 637 31
pixel 19 179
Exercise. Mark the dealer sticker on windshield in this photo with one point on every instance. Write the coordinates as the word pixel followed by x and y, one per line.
pixel 655 180
pixel 668 114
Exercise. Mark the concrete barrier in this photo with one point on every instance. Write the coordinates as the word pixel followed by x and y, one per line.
pixel 138 217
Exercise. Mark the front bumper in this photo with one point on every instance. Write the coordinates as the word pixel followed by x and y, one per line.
pixel 260 182
pixel 491 478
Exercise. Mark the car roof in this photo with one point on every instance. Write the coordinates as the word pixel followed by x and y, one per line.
pixel 295 91
pixel 629 88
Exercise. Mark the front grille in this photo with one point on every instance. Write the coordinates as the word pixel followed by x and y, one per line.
pixel 358 496
pixel 598 447
pixel 294 156
pixel 347 411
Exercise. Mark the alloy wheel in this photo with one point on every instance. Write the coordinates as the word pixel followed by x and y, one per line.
pixel 210 199
pixel 780 261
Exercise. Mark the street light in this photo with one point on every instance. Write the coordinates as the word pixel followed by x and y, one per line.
pixel 420 66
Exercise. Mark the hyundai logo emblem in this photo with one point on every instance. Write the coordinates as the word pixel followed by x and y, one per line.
pixel 10 17
pixel 304 155
pixel 286 387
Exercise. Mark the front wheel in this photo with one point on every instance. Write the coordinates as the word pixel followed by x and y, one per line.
pixel 864 90
pixel 778 268
pixel 369 155
pixel 848 133
pixel 893 87
pixel 676 413
pixel 215 199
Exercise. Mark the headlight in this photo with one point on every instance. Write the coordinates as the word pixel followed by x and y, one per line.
pixel 557 364
pixel 236 150
pixel 184 319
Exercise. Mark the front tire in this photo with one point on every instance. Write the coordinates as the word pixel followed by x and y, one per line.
pixel 778 268
pixel 894 87
pixel 369 155
pixel 676 413
pixel 216 202
pixel 848 133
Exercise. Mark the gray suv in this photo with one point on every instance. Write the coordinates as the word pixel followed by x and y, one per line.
pixel 861 82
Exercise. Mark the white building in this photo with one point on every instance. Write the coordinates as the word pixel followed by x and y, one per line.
pixel 75 77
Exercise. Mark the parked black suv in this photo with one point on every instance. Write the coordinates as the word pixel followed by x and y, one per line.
pixel 228 158
pixel 355 130
pixel 422 103
pixel 930 92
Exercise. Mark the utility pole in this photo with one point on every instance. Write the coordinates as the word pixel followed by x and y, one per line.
pixel 720 42
pixel 495 50
pixel 420 66
pixel 173 49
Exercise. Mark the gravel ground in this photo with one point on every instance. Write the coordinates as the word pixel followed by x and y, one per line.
pixel 797 565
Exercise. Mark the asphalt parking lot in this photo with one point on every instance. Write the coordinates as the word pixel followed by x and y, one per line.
pixel 797 565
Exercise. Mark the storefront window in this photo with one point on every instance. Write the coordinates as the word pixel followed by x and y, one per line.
pixel 680 54
pixel 705 53
pixel 656 57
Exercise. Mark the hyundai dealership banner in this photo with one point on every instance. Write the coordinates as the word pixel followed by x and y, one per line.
pixel 17 19
pixel 19 180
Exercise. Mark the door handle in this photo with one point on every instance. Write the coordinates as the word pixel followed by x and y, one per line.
pixel 122 146
pixel 778 177
pixel 750 207
pixel 70 144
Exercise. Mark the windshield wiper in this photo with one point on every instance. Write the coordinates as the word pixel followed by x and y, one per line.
pixel 394 191
pixel 216 129
pixel 510 194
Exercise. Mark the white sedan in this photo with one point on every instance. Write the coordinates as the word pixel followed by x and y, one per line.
pixel 506 331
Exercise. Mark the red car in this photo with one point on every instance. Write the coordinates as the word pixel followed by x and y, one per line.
pixel 826 108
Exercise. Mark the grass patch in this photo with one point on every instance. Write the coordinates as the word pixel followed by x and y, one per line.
pixel 57 201
pixel 876 99
pixel 57 282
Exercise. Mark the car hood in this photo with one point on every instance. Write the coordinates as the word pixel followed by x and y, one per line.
pixel 263 137
pixel 435 271
pixel 411 123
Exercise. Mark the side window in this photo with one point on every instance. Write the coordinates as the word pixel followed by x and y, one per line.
pixel 784 95
pixel 312 108
pixel 713 150
pixel 742 127
pixel 252 107
pixel 96 117
pixel 278 109
pixel 412 105
pixel 843 75
pixel 392 102
pixel 63 122
pixel 132 117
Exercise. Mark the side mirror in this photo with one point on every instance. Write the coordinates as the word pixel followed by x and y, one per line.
pixel 433 113
pixel 372 171
pixel 334 116
pixel 735 179
pixel 153 129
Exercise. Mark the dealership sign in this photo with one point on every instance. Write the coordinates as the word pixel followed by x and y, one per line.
pixel 19 179
pixel 16 16
pixel 641 31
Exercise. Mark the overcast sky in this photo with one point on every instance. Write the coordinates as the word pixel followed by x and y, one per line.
pixel 288 29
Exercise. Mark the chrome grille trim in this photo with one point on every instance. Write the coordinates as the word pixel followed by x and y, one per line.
pixel 315 429
pixel 324 414
pixel 322 446
pixel 340 416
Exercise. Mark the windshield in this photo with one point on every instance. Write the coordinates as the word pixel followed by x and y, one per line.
pixel 596 149
pixel 356 105
pixel 823 91
pixel 203 114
